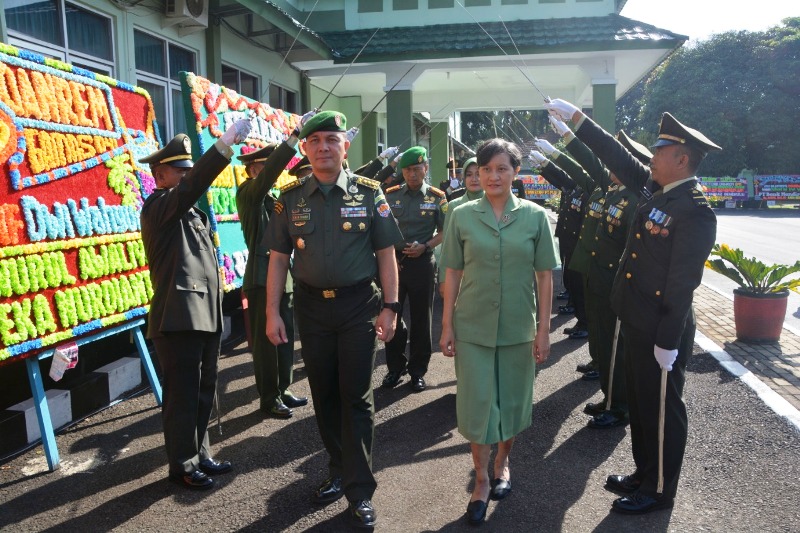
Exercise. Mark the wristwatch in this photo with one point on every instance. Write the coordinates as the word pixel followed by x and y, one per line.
pixel 393 306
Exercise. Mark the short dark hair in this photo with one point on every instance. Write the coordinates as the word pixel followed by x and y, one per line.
pixel 695 156
pixel 492 147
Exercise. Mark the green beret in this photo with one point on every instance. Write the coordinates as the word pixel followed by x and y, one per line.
pixel 413 156
pixel 324 121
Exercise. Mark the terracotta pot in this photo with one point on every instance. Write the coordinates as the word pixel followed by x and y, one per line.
pixel 759 317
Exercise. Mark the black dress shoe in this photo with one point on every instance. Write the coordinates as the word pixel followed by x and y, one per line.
pixel 329 491
pixel 362 514
pixel 595 409
pixel 591 375
pixel 585 367
pixel 212 467
pixel 280 410
pixel 566 310
pixel 568 330
pixel 476 511
pixel 501 489
pixel 623 484
pixel 607 420
pixel 290 400
pixel 197 480
pixel 417 383
pixel 391 379
pixel 578 334
pixel 563 295
pixel 638 503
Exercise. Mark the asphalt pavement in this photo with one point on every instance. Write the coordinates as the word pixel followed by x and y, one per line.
pixel 740 473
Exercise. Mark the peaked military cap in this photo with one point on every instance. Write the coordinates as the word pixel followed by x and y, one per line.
pixel 302 164
pixel 413 156
pixel 177 153
pixel 673 132
pixel 257 156
pixel 638 150
pixel 452 164
pixel 324 121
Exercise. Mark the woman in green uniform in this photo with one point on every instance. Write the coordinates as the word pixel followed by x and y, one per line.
pixel 493 248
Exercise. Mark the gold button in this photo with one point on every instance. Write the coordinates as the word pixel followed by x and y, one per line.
pixel 596 238
pixel 638 235
pixel 633 255
pixel 593 254
pixel 628 275
pixel 658 293
pixel 194 285
pixel 610 265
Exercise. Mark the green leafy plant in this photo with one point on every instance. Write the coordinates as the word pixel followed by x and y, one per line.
pixel 751 274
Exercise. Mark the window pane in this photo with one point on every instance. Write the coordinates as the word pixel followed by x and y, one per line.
pixel 249 86
pixel 180 59
pixel 97 68
pixel 230 78
pixel 275 96
pixel 89 33
pixel 291 101
pixel 149 53
pixel 178 113
pixel 159 97
pixel 37 18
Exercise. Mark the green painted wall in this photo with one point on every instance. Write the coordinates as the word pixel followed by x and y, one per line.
pixel 604 109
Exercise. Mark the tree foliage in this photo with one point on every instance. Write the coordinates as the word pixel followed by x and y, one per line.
pixel 741 89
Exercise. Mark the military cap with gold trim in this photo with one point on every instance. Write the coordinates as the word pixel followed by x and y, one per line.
pixel 413 156
pixel 673 132
pixel 258 156
pixel 324 121
pixel 638 150
pixel 301 165
pixel 177 153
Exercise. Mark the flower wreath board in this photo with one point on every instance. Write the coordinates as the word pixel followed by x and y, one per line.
pixel 72 263
pixel 211 108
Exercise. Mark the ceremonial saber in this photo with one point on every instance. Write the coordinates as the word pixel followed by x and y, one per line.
pixel 613 361
pixel 512 113
pixel 661 415
pixel 384 96
pixel 546 98
pixel 348 68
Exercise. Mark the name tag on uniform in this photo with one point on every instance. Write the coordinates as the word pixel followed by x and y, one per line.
pixel 354 212
pixel 427 207
pixel 297 217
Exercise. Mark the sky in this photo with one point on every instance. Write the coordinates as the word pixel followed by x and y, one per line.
pixel 699 19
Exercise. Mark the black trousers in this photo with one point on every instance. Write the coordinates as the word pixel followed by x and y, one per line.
pixel 338 347
pixel 416 281
pixel 644 385
pixel 189 379
pixel 573 282
pixel 602 321
pixel 272 365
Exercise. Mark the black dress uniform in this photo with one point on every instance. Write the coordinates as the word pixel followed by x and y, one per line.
pixel 671 236
pixel 254 203
pixel 185 318
pixel 419 214
pixel 334 236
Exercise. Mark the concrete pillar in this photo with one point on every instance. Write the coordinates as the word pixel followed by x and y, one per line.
pixel 369 137
pixel 399 118
pixel 604 108
pixel 440 152
pixel 351 107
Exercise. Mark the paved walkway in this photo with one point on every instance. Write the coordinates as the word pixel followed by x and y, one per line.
pixel 777 365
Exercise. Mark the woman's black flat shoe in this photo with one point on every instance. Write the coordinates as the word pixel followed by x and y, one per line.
pixel 501 489
pixel 476 511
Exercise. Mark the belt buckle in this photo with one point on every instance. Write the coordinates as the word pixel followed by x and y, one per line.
pixel 330 293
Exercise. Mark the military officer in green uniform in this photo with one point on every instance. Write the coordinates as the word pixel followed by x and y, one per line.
pixel 255 203
pixel 342 234
pixel 185 319
pixel 420 210
pixel 672 233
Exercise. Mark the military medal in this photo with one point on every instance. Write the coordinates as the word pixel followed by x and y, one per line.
pixel 362 226
pixel 301 244
pixel 655 229
pixel 648 225
pixel 346 226
pixel 664 232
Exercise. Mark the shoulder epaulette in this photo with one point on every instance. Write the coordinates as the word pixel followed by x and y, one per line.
pixel 292 184
pixel 699 198
pixel 393 188
pixel 367 182
pixel 437 192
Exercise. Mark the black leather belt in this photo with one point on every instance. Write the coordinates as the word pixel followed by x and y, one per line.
pixel 334 293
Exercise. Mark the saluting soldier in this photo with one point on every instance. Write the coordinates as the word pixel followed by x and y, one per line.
pixel 420 210
pixel 342 234
pixel 371 169
pixel 671 236
pixel 185 318
pixel 255 203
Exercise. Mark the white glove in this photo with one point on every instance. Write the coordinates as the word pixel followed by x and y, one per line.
pixel 389 152
pixel 351 134
pixel 237 132
pixel 545 146
pixel 397 158
pixel 307 116
pixel 665 358
pixel 561 109
pixel 559 126
pixel 537 157
pixel 454 183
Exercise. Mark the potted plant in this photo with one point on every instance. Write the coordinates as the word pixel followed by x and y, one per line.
pixel 759 303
